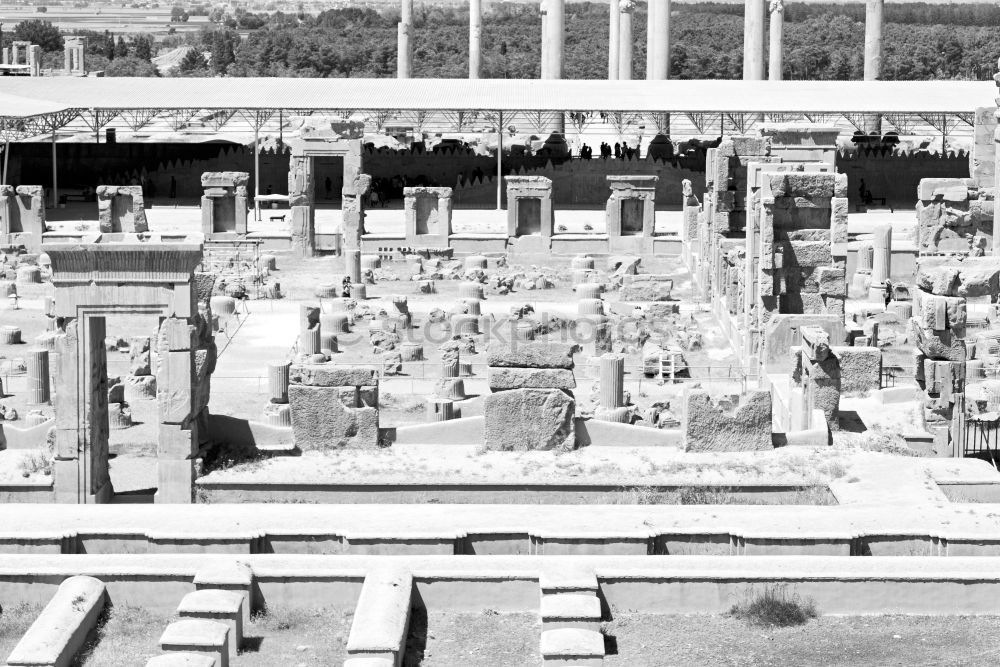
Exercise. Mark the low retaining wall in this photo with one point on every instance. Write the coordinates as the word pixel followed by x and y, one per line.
pixel 675 585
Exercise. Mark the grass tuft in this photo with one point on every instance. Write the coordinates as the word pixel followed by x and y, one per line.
pixel 774 607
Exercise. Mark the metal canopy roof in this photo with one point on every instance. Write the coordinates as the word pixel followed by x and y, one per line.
pixel 22 97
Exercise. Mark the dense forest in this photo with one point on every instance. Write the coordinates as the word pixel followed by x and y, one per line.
pixel 822 41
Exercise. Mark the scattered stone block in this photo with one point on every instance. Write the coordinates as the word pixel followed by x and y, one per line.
pixel 61 630
pixel 503 378
pixel 708 428
pixel 572 646
pixel 524 354
pixel 198 636
pixel 529 419
pixel 217 605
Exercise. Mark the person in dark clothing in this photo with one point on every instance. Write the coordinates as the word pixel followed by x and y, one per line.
pixel 618 151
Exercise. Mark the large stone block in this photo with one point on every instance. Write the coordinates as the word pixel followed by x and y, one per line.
pixel 860 368
pixel 501 378
pixel 321 421
pixel 527 354
pixel 809 185
pixel 710 428
pixel 332 376
pixel 529 419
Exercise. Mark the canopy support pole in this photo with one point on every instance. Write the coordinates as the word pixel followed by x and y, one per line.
pixel 55 175
pixel 256 170
pixel 499 160
pixel 6 161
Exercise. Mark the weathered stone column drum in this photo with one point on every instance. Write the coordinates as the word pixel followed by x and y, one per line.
pixel 612 381
pixel 277 381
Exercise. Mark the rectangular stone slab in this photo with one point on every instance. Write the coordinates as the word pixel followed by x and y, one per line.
pixel 332 376
pixel 523 354
pixel 531 378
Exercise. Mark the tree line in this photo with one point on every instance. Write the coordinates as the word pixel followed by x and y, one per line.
pixel 821 42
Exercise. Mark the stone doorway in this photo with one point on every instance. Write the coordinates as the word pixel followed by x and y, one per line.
pixel 143 277
pixel 529 217
pixel 632 212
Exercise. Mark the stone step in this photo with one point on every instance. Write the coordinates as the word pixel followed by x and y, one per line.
pixel 182 660
pixel 571 646
pixel 215 604
pixel 571 610
pixel 369 662
pixel 198 636
pixel 229 575
pixel 557 582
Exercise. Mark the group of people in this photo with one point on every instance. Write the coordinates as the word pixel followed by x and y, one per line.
pixel 620 151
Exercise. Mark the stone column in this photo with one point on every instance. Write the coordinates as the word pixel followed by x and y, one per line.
pixel 553 37
pixel 38 376
pixel 475 38
pixel 882 255
pixel 661 40
pixel 543 10
pixel 440 409
pixel 404 47
pixel 614 28
pixel 277 381
pixel 309 342
pixel 651 12
pixel 625 41
pixel 753 40
pixel 874 30
pixel 352 262
pixel 612 382
pixel 775 47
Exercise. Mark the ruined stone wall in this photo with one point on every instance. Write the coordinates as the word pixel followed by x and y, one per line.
pixel 954 215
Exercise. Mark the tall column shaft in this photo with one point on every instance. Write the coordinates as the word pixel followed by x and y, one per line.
pixel 475 38
pixel 651 11
pixel 874 32
pixel 614 36
pixel 612 381
pixel 554 36
pixel 404 45
pixel 753 40
pixel 625 46
pixel 776 45
pixel 661 41
pixel 38 376
pixel 882 255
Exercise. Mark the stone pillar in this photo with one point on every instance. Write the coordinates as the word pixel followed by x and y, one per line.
pixel 753 40
pixel 625 40
pixel 277 381
pixel 874 32
pixel 612 382
pixel 543 10
pixel 661 40
pixel 553 37
pixel 775 47
pixel 475 38
pixel 614 28
pixel 404 47
pixel 882 255
pixel 38 376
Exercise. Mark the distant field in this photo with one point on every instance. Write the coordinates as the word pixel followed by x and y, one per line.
pixel 115 19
